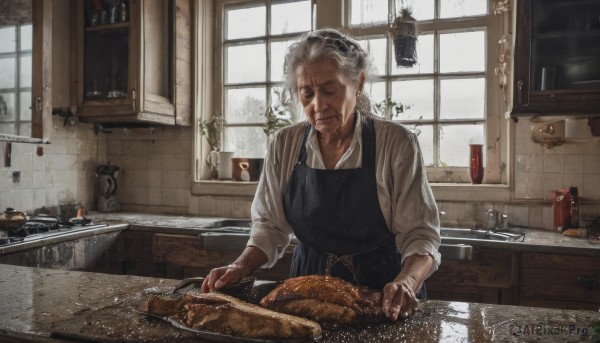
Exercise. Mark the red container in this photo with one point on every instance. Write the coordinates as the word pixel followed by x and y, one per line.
pixel 476 163
pixel 561 207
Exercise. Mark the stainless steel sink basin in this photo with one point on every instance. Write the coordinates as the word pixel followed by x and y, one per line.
pixel 227 226
pixel 468 234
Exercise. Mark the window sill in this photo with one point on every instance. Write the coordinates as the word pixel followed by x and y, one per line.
pixel 224 188
pixel 442 191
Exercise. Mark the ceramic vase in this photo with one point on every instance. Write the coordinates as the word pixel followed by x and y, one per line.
pixel 476 163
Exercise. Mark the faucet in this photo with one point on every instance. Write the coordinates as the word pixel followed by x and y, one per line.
pixel 492 220
pixel 493 223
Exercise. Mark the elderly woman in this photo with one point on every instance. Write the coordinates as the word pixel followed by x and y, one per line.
pixel 351 187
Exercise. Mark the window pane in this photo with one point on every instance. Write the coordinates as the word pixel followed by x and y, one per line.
pixel 368 12
pixel 377 50
pixel 245 105
pixel 423 9
pixel 26 37
pixel 290 17
pixel 7 72
pixel 245 22
pixel 376 93
pixel 25 72
pixel 462 98
pixel 7 107
pixel 246 141
pixel 8 39
pixel 417 98
pixel 25 129
pixel 278 50
pixel 246 63
pixel 424 58
pixel 8 129
pixel 454 143
pixel 25 106
pixel 462 8
pixel 460 52
pixel 425 142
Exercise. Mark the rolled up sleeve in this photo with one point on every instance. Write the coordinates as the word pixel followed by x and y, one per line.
pixel 271 232
pixel 415 218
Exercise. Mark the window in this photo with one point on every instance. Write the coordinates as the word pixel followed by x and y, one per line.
pixel 254 38
pixel 15 79
pixel 447 94
pixel 451 96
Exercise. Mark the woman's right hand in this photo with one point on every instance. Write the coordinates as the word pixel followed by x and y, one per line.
pixel 219 277
pixel 250 259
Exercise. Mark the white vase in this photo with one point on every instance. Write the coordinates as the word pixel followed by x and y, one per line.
pixel 224 166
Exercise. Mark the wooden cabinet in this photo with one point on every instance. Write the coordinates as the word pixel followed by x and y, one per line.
pixel 133 61
pixel 552 280
pixel 557 58
pixel 490 277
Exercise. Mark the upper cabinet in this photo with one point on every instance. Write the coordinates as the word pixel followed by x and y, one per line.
pixel 557 58
pixel 133 61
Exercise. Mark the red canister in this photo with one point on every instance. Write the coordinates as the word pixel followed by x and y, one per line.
pixel 561 206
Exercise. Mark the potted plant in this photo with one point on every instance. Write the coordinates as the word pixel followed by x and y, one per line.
pixel 391 109
pixel 211 130
pixel 404 31
pixel 278 113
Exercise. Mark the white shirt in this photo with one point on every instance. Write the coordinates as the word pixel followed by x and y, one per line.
pixel 404 194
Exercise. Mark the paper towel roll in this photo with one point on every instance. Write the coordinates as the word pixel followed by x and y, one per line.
pixel 577 129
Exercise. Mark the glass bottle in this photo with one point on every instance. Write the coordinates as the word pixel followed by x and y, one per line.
pixel 574 207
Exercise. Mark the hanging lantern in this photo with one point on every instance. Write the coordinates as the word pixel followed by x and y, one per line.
pixel 404 33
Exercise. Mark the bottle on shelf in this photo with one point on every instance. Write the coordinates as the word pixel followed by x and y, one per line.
pixel 573 194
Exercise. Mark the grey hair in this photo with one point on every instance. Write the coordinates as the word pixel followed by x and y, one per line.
pixel 331 45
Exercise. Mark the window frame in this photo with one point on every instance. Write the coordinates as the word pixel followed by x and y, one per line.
pixel 495 129
pixel 499 131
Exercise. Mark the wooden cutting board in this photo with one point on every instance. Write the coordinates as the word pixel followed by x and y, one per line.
pixel 125 322
pixel 119 323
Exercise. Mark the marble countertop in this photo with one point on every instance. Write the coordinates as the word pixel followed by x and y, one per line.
pixel 535 240
pixel 39 302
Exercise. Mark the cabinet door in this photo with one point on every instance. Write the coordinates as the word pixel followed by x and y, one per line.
pixel 551 280
pixel 487 278
pixel 125 61
pixel 41 64
pixel 557 57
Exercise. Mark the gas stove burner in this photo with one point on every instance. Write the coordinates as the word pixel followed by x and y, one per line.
pixel 29 228
pixel 45 226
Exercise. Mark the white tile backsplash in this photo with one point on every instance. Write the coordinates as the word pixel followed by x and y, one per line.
pixel 156 175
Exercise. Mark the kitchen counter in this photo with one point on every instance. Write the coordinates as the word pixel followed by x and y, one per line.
pixel 37 302
pixel 535 240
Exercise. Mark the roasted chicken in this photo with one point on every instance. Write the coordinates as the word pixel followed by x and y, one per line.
pixel 220 313
pixel 326 299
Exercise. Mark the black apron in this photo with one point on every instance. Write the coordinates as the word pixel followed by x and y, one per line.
pixel 336 216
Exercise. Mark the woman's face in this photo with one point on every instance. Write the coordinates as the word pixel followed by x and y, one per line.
pixel 327 96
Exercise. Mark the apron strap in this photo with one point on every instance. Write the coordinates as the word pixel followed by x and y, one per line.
pixel 302 156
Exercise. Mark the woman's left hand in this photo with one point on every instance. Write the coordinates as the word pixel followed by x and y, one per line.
pixel 399 299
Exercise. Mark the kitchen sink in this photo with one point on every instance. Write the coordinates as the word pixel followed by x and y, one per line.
pixel 227 226
pixel 236 226
pixel 473 234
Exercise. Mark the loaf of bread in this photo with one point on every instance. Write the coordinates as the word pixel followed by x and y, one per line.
pixel 574 232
